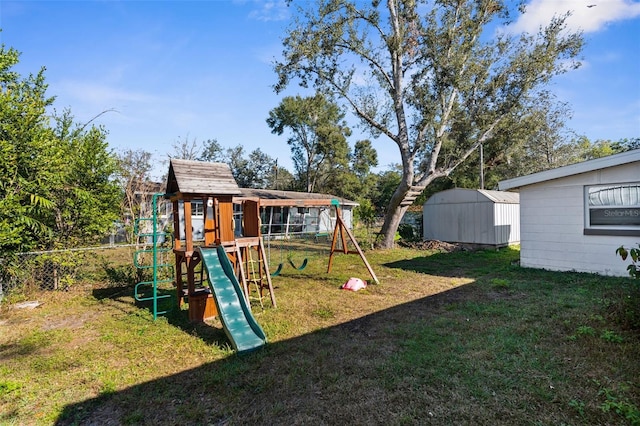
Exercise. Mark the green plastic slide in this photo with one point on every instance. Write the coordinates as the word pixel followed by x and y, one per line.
pixel 238 322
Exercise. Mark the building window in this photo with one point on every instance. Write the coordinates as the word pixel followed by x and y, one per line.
pixel 274 220
pixel 612 209
pixel 237 220
pixel 197 208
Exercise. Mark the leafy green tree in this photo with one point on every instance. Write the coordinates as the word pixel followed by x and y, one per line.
pixel 336 178
pixel 262 167
pixel 86 201
pixel 253 171
pixel 364 158
pixel 353 180
pixel 282 178
pixel 626 144
pixel 136 184
pixel 597 149
pixel 426 75
pixel 533 139
pixel 57 185
pixel 212 151
pixel 387 183
pixel 30 157
pixel 318 136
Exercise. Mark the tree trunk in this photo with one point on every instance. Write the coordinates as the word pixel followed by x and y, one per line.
pixel 395 210
pixel 391 222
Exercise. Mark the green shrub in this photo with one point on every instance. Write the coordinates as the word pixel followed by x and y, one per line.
pixel 634 254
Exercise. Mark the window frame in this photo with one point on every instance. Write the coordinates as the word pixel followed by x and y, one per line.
pixel 197 208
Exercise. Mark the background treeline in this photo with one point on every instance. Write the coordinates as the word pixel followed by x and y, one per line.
pixel 62 186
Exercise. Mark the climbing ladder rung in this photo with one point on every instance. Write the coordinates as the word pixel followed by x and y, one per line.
pixel 147 298
pixel 150 283
pixel 137 254
pixel 158 250
pixel 162 265
pixel 166 235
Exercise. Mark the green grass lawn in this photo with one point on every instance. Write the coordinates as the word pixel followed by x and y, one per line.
pixel 446 338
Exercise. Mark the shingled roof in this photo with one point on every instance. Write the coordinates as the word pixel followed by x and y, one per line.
pixel 200 178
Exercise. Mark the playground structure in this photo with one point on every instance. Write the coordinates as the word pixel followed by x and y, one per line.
pixel 213 186
pixel 216 276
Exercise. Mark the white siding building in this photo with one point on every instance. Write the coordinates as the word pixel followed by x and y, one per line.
pixel 472 216
pixel 573 218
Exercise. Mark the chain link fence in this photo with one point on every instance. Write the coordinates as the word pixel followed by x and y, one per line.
pixel 66 269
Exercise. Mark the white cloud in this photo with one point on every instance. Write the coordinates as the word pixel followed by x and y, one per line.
pixel 99 94
pixel 266 10
pixel 586 15
pixel 272 10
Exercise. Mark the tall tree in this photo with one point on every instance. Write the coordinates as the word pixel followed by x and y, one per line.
pixel 353 179
pixel 56 183
pixel 533 139
pixel 318 135
pixel 261 169
pixel 425 74
pixel 250 171
pixel 364 158
pixel 211 151
pixel 134 174
pixel 186 149
pixel 387 182
pixel 255 170
pixel 30 158
pixel 626 144
pixel 87 203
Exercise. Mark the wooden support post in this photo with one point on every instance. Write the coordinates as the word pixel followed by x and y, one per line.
pixel 177 244
pixel 188 226
pixel 265 264
pixel 243 276
pixel 178 272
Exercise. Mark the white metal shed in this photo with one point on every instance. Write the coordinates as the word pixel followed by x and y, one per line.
pixel 473 216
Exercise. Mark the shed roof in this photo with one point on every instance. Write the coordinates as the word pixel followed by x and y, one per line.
pixel 463 196
pixel 270 197
pixel 199 177
pixel 501 197
pixel 572 169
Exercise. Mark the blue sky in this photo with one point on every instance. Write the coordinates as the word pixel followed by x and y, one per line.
pixel 203 69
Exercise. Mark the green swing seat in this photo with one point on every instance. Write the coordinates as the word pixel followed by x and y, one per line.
pixel 301 267
pixel 278 270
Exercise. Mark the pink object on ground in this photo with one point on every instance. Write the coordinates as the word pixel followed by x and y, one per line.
pixel 354 284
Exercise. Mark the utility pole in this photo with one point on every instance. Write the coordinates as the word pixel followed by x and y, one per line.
pixel 276 174
pixel 481 168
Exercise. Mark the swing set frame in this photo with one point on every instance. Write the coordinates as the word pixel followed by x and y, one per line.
pixel 293 200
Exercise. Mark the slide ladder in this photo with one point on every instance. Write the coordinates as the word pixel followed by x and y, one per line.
pixel 234 311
